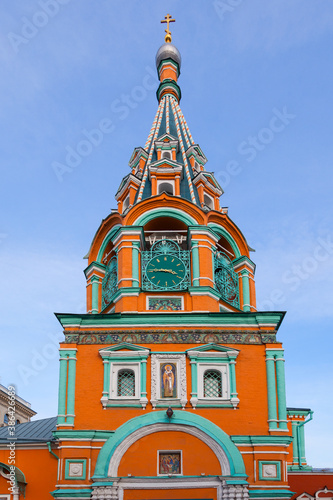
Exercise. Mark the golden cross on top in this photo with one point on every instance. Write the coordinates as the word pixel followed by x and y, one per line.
pixel 168 19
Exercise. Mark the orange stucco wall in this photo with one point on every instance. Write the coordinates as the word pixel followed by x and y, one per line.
pixel 249 418
pixel 39 468
pixel 141 459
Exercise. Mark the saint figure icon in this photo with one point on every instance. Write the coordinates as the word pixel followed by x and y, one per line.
pixel 168 381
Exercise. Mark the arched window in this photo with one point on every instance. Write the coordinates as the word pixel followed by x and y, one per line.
pixel 166 187
pixel 126 383
pixel 166 154
pixel 212 384
pixel 17 422
pixel 5 419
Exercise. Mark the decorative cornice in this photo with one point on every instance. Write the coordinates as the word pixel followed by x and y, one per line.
pixel 220 320
pixel 158 336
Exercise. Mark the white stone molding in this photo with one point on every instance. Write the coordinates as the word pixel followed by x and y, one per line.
pixel 105 493
pixel 224 491
pixel 151 429
pixel 325 491
pixel 156 398
pixel 234 492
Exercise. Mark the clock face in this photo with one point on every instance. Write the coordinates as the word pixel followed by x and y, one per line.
pixel 165 271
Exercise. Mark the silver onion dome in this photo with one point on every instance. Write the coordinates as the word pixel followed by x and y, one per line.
pixel 168 51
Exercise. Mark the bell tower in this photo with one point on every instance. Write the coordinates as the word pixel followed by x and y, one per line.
pixel 169 219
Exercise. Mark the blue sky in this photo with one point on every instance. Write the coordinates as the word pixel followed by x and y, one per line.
pixel 257 95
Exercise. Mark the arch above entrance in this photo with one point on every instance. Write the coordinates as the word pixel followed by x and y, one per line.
pixel 227 453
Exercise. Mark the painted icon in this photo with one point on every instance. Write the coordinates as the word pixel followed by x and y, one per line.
pixel 169 463
pixel 168 380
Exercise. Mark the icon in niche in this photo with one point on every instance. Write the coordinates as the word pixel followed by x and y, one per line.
pixel 169 463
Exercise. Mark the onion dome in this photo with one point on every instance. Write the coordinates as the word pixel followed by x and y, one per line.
pixel 168 51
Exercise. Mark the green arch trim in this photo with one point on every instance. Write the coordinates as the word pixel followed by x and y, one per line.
pixel 165 212
pixel 106 241
pixel 223 232
pixel 237 467
pixel 19 476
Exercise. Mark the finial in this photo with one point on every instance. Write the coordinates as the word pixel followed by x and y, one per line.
pixel 168 19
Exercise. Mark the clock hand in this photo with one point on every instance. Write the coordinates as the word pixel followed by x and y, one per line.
pixel 163 270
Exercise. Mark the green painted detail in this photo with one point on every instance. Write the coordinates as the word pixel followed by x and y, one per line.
pixel 69 461
pixel 70 493
pixel 95 281
pixel 232 374
pixel 275 464
pixel 242 260
pixel 237 467
pixel 94 264
pixel 281 393
pixel 170 61
pixel 213 347
pixel 195 264
pixel 86 434
pixel 113 233
pixel 165 304
pixel 202 319
pixel 165 267
pixel 193 229
pixel 254 440
pixel 271 493
pixel 271 392
pixel 246 290
pixel 165 212
pixel 226 280
pixel 143 367
pixel 71 391
pixel 125 291
pixel 304 412
pixel 222 404
pixel 163 335
pixel 299 460
pixel 62 388
pixel 204 290
pixel 121 404
pixel 194 378
pixel 236 481
pixel 223 232
pixel 127 346
pixel 106 381
pixel 135 263
pixel 104 483
pixel 274 353
pixel 109 283
pixel 168 84
pixel 50 450
pixel 66 353
pixel 19 476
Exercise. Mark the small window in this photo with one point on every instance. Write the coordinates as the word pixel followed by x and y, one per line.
pixel 6 419
pixel 166 187
pixel 17 422
pixel 126 203
pixel 126 383
pixel 166 154
pixel 208 201
pixel 196 166
pixel 212 384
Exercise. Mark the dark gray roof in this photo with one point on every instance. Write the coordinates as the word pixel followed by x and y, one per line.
pixel 37 431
